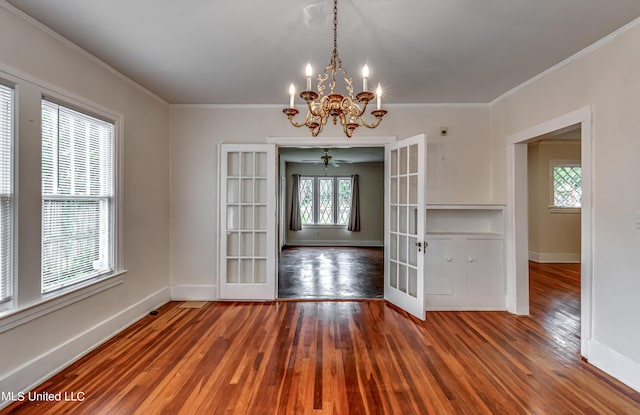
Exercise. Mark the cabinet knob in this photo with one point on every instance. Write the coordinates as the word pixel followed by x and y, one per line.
pixel 471 259
pixel 449 259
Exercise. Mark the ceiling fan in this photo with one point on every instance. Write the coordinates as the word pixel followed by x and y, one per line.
pixel 328 160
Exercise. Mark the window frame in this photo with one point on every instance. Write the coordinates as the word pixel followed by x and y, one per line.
pixel 335 198
pixel 9 301
pixel 115 213
pixel 553 208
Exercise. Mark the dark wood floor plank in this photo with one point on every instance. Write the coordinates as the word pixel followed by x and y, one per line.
pixel 364 357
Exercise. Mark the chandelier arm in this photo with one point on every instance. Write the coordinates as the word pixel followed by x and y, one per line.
pixel 374 125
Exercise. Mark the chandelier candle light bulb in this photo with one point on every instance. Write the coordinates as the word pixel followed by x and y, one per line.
pixel 378 96
pixel 365 75
pixel 308 71
pixel 328 103
pixel 292 93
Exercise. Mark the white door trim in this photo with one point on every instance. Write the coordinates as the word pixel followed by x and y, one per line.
pixel 517 249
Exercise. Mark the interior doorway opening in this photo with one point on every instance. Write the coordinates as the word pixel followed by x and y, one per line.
pixel 324 259
pixel 554 181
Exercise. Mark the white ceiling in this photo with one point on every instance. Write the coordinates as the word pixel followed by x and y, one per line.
pixel 339 154
pixel 247 52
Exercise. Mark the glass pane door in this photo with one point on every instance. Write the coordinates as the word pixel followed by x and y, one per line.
pixel 247 211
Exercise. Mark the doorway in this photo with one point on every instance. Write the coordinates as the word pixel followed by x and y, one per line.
pixel 323 259
pixel 554 180
pixel 518 218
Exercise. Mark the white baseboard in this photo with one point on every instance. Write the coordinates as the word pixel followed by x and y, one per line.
pixel 619 366
pixel 194 292
pixel 36 371
pixel 554 258
pixel 313 242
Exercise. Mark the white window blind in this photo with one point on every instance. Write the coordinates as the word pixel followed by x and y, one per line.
pixel 77 197
pixel 6 193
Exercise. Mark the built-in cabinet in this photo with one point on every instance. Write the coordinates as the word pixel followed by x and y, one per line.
pixel 465 259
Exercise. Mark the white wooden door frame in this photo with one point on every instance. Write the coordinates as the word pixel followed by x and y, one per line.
pixel 517 244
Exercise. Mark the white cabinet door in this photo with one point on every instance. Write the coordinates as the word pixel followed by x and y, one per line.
pixel 485 266
pixel 440 266
pixel 247 222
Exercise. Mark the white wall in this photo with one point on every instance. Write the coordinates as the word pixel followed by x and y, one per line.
pixel 554 236
pixel 607 80
pixel 33 350
pixel 371 179
pixel 459 169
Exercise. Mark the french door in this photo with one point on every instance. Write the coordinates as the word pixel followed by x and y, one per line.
pixel 405 175
pixel 247 238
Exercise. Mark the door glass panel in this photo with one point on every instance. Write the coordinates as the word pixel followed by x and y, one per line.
pixel 402 191
pixel 402 163
pixel 261 218
pixel 394 162
pixel 261 164
pixel 246 271
pixel 246 244
pixel 413 282
pixel 233 164
pixel 413 221
pixel 393 192
pixel 413 251
pixel 247 217
pixel 393 274
pixel 247 190
pixel 413 189
pixel 260 271
pixel 260 192
pixel 247 164
pixel 393 219
pixel 233 191
pixel 402 220
pixel 402 278
pixel 233 271
pixel 260 247
pixel 413 159
pixel 402 249
pixel 233 244
pixel 233 218
pixel 393 246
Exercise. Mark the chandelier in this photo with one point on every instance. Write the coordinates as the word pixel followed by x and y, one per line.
pixel 320 107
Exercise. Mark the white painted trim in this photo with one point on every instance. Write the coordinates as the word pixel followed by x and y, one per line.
pixel 336 242
pixel 36 371
pixel 303 107
pixel 204 292
pixel 367 141
pixel 57 36
pixel 554 258
pixel 453 308
pixel 617 365
pixel 576 56
pixel 15 317
pixel 517 244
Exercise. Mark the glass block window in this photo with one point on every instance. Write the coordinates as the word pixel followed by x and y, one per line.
pixel 325 200
pixel 567 186
pixel 344 200
pixel 306 200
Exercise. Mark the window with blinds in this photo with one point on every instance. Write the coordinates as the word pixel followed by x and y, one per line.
pixel 6 193
pixel 77 197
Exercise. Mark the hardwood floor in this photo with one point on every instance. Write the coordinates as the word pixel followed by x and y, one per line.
pixel 357 357
pixel 331 273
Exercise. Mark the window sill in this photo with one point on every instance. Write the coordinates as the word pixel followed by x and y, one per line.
pixel 556 209
pixel 315 226
pixel 51 302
